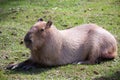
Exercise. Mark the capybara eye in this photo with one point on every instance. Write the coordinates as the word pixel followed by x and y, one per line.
pixel 42 30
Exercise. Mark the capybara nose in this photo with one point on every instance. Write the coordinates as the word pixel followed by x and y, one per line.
pixel 27 38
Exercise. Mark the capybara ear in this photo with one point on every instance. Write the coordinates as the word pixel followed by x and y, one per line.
pixel 48 24
pixel 40 19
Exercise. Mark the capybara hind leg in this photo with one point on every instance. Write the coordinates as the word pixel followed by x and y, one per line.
pixel 90 61
pixel 82 62
pixel 28 64
pixel 86 62
pixel 109 55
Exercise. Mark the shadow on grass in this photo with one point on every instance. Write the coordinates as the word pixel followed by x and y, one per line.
pixel 115 76
pixel 32 71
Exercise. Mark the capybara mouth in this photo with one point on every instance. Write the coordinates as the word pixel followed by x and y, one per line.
pixel 28 41
pixel 28 44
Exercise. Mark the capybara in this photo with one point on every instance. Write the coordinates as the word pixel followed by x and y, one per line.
pixel 84 44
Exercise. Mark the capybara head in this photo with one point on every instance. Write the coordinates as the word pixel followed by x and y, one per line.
pixel 36 36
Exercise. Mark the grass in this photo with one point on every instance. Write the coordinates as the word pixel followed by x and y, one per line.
pixel 17 16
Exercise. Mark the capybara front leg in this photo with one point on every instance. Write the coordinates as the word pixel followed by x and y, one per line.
pixel 25 65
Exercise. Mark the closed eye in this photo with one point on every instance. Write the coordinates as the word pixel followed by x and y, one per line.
pixel 42 30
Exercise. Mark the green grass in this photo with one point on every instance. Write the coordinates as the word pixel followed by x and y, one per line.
pixel 17 16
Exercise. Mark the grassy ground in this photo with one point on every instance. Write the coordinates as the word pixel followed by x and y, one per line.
pixel 17 16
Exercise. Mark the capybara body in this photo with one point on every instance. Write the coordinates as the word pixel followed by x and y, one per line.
pixel 84 44
pixel 81 43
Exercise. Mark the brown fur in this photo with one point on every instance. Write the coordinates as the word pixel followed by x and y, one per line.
pixel 83 44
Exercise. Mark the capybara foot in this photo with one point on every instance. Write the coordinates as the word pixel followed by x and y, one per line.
pixel 26 65
pixel 85 62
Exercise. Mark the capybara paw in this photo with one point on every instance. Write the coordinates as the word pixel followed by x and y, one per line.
pixel 84 62
pixel 28 67
pixel 15 66
pixel 12 66
pixel 77 63
pixel 20 66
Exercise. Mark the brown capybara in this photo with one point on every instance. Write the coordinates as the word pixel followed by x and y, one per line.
pixel 84 44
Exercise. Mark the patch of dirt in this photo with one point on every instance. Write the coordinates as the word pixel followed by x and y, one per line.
pixel 96 72
pixel 14 34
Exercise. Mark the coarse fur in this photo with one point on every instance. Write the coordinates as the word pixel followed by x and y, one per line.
pixel 84 44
